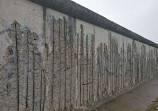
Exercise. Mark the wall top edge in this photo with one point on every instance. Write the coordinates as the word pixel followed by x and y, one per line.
pixel 77 11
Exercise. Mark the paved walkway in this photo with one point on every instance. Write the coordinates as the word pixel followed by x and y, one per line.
pixel 136 100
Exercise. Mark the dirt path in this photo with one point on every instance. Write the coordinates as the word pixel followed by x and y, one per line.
pixel 136 100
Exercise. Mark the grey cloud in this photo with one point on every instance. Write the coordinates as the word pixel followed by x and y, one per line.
pixel 140 16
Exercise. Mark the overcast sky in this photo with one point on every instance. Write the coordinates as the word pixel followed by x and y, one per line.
pixel 140 16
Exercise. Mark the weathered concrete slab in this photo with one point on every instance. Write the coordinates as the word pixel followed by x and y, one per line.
pixel 53 61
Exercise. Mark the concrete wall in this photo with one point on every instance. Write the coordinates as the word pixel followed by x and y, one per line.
pixel 52 61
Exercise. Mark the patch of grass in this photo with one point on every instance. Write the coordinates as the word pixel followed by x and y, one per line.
pixel 156 100
pixel 153 106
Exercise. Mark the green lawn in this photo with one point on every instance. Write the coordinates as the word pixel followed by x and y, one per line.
pixel 153 106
